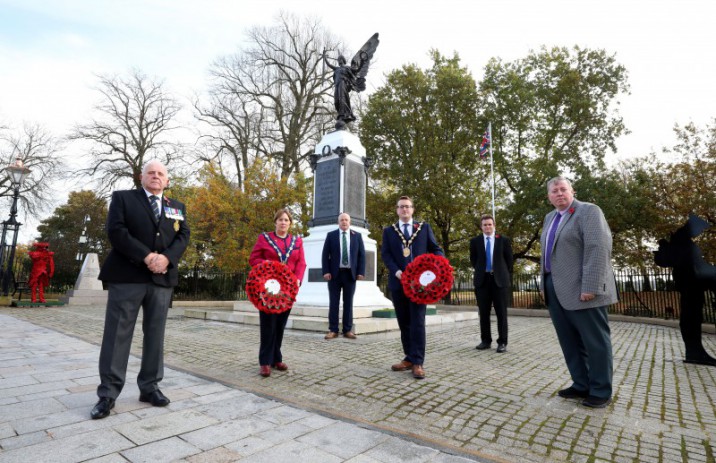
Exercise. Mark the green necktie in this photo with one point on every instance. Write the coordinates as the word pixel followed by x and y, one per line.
pixel 344 251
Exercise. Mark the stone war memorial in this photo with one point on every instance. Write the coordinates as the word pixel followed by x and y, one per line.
pixel 340 168
pixel 88 289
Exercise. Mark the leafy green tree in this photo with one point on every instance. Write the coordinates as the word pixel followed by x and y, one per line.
pixel 63 229
pixel 421 129
pixel 687 184
pixel 553 112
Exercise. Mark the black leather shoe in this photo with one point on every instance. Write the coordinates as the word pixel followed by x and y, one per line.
pixel 702 360
pixel 102 408
pixel 596 402
pixel 572 393
pixel 483 345
pixel 156 398
pixel 501 348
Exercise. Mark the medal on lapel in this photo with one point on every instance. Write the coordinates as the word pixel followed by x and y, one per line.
pixel 176 225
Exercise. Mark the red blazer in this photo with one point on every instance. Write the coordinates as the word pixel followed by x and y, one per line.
pixel 264 251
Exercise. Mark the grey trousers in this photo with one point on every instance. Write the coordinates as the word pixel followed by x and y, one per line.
pixel 121 316
pixel 585 339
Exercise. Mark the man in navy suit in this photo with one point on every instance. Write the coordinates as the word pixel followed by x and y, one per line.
pixel 343 263
pixel 149 234
pixel 492 280
pixel 402 243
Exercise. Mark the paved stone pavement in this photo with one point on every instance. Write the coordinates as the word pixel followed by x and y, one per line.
pixel 340 402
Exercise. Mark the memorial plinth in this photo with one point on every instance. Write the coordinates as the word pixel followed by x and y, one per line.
pixel 88 289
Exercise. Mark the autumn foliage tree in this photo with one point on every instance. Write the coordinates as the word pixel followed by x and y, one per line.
pixel 226 220
pixel 65 226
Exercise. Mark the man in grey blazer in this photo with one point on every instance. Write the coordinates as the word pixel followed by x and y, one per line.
pixel 578 285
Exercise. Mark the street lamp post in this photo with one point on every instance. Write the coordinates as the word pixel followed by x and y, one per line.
pixel 17 172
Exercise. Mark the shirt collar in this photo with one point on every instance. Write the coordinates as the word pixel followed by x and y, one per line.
pixel 152 194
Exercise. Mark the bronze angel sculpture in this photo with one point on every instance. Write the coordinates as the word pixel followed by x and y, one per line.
pixel 348 78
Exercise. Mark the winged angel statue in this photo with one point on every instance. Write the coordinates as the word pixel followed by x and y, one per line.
pixel 348 78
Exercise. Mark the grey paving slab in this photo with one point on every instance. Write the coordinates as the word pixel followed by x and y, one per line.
pixel 291 452
pixel 343 439
pixel 226 432
pixel 160 427
pixel 167 450
pixel 395 450
pixel 71 449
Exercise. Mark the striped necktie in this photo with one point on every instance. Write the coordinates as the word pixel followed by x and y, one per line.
pixel 344 250
pixel 155 208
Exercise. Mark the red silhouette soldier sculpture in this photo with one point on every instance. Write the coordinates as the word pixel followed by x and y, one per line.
pixel 43 267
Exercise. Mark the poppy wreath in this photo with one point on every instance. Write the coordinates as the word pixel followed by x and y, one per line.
pixel 272 287
pixel 427 279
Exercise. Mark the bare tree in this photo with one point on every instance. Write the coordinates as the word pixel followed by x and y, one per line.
pixel 38 150
pixel 271 99
pixel 134 116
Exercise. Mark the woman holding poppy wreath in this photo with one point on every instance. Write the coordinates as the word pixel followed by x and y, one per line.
pixel 282 247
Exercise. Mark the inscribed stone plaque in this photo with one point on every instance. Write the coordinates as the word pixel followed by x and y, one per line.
pixel 354 200
pixel 328 189
pixel 315 275
pixel 370 266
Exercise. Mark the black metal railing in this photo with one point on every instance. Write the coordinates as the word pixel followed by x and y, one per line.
pixel 211 286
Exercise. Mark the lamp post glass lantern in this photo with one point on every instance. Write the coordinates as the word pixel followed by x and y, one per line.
pixel 17 173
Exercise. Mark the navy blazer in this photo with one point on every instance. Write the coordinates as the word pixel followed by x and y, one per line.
pixel 392 250
pixel 331 259
pixel 502 260
pixel 134 232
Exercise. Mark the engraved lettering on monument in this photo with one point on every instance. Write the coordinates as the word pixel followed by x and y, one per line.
pixel 370 266
pixel 328 183
pixel 355 187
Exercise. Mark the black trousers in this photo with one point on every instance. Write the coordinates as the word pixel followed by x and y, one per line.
pixel 489 295
pixel 272 327
pixel 411 321
pixel 124 300
pixel 343 282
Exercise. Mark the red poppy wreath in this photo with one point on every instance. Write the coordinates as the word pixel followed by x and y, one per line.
pixel 427 279
pixel 272 287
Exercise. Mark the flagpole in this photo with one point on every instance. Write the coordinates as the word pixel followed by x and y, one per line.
pixel 492 171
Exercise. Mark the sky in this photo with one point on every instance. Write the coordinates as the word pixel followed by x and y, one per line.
pixel 52 51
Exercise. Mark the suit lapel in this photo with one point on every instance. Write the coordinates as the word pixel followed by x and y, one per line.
pixel 143 199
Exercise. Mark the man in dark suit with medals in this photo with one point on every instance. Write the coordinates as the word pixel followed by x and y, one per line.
pixel 402 243
pixel 343 262
pixel 149 234
pixel 491 257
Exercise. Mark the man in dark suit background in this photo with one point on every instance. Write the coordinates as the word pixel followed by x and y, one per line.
pixel 578 284
pixel 402 243
pixel 343 262
pixel 149 234
pixel 491 257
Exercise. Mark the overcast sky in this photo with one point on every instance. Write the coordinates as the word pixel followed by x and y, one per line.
pixel 50 51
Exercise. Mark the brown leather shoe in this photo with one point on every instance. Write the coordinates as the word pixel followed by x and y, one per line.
pixel 280 366
pixel 402 366
pixel 331 335
pixel 265 371
pixel 418 372
pixel 349 335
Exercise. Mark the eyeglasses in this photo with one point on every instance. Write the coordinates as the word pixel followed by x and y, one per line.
pixel 405 206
